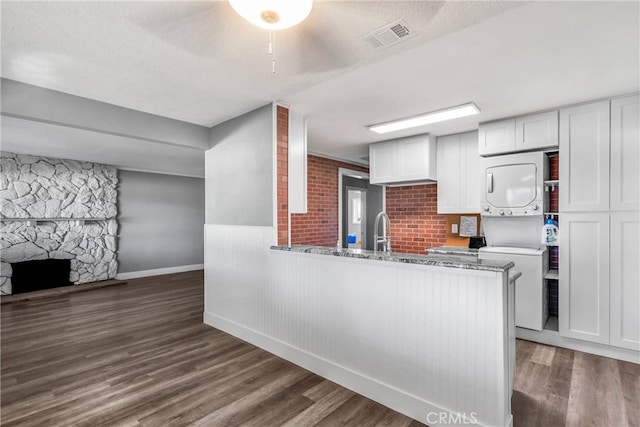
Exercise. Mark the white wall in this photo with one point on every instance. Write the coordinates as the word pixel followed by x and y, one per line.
pixel 239 170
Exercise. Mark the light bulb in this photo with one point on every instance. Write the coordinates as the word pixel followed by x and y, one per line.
pixel 273 14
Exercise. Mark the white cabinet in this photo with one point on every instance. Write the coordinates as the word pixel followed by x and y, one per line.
pixel 382 162
pixel 584 157
pixel 625 154
pixel 297 163
pixel 497 137
pixel 583 310
pixel 537 131
pixel 471 189
pixel 526 133
pixel 449 173
pixel 413 159
pixel 403 161
pixel 458 172
pixel 625 282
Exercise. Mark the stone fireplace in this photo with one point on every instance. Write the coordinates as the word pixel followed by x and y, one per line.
pixel 58 209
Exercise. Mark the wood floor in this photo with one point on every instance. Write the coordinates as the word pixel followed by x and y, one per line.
pixel 138 354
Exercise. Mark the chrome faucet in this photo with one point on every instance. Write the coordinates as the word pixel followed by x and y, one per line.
pixel 386 233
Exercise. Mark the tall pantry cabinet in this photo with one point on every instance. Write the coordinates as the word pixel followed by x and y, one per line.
pixel 600 222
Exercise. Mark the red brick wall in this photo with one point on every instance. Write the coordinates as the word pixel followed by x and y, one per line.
pixel 415 223
pixel 319 226
pixel 282 158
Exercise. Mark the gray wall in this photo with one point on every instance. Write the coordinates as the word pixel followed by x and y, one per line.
pixel 45 122
pixel 160 220
pixel 37 103
pixel 238 170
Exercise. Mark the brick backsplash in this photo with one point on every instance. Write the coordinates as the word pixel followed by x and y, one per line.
pixel 415 223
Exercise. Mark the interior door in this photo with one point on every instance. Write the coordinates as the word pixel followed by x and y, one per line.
pixel 373 205
pixel 511 186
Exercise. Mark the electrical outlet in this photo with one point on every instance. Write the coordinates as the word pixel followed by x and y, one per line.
pixel 454 228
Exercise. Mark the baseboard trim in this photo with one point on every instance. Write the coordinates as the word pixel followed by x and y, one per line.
pixel 63 290
pixel 398 400
pixel 553 338
pixel 159 271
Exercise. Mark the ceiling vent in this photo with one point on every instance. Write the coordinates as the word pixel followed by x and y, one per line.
pixel 389 35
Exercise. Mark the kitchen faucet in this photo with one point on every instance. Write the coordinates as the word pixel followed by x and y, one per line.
pixel 386 236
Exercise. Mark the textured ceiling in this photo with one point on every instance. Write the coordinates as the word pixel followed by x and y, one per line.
pixel 201 63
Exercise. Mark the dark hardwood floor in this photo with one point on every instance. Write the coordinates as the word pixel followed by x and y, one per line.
pixel 139 354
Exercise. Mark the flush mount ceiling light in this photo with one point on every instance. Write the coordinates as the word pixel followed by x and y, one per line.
pixel 424 119
pixel 273 14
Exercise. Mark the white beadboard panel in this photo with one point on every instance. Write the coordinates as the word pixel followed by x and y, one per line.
pixel 415 338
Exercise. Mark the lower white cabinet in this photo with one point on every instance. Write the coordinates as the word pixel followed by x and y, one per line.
pixel 583 310
pixel 458 171
pixel 625 280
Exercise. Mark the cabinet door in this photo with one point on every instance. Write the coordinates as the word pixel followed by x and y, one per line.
pixel 415 158
pixel 537 131
pixel 497 137
pixel 382 158
pixel 471 186
pixel 584 158
pixel 584 277
pixel 625 154
pixel 449 173
pixel 625 285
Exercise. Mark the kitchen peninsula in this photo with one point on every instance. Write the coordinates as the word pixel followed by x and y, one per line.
pixel 426 336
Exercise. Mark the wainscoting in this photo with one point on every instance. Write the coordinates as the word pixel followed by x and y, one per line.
pixel 370 326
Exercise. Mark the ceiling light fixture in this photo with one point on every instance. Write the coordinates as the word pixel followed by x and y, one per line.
pixel 424 119
pixel 273 14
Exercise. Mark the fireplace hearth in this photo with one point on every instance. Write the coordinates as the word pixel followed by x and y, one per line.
pixel 29 276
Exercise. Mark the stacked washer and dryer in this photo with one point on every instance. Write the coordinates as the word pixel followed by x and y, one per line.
pixel 513 205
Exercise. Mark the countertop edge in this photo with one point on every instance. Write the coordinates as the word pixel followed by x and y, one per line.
pixel 439 261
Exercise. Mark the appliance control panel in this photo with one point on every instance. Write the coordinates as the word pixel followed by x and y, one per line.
pixel 531 210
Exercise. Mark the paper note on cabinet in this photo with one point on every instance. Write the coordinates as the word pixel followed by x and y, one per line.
pixel 468 226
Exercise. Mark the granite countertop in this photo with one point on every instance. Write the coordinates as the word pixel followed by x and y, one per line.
pixel 439 260
pixel 452 250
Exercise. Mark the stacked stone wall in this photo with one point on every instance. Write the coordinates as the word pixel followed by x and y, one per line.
pixel 55 191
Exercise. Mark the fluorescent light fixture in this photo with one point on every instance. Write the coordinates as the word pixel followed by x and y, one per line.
pixel 424 119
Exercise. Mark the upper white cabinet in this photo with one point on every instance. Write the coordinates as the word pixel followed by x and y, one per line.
pixel 584 157
pixel 497 137
pixel 403 161
pixel 297 163
pixel 625 285
pixel 526 133
pixel 625 154
pixel 382 162
pixel 537 131
pixel 458 172
pixel 584 277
